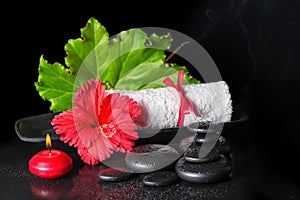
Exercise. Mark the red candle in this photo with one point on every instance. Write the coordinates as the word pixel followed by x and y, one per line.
pixel 51 163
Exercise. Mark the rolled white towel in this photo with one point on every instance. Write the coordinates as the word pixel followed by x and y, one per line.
pixel 160 106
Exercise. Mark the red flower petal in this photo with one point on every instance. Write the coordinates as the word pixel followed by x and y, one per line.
pixel 134 109
pixel 64 125
pixel 115 109
pixel 87 157
pixel 99 123
pixel 119 111
pixel 86 106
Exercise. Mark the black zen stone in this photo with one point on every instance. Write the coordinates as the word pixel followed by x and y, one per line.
pixel 113 174
pixel 199 138
pixel 223 145
pixel 209 172
pixel 185 143
pixel 198 127
pixel 211 136
pixel 160 178
pixel 151 157
pixel 192 154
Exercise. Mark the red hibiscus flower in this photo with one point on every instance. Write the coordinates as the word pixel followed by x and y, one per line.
pixel 99 123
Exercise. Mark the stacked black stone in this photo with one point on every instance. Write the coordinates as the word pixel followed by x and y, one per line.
pixel 155 161
pixel 202 165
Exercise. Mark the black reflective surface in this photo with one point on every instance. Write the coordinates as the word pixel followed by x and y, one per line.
pixel 251 178
pixel 83 181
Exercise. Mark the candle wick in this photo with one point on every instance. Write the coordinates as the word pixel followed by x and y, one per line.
pixel 49 149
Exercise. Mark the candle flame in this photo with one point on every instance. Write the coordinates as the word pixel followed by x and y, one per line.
pixel 48 141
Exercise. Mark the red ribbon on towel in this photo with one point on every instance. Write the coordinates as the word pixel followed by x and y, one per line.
pixel 186 104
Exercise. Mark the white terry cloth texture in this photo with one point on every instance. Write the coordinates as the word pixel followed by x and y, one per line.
pixel 160 106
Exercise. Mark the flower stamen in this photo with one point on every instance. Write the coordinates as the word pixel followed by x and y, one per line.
pixel 107 130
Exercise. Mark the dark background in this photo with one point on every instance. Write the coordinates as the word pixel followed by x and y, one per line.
pixel 255 44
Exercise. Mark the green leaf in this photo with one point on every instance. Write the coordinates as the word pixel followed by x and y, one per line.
pixel 55 84
pixel 130 50
pixel 92 35
pixel 130 60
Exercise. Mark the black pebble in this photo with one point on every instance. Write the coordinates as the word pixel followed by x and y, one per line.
pixel 113 174
pixel 151 157
pixel 198 127
pixel 160 178
pixel 208 172
pixel 192 155
pixel 185 143
pixel 199 138
pixel 223 145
